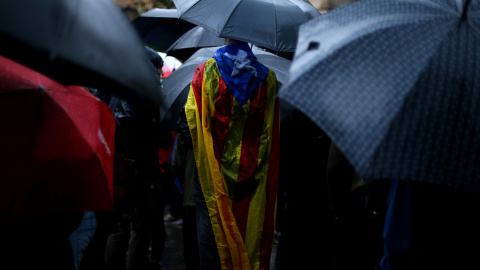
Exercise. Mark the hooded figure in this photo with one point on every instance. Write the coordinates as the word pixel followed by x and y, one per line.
pixel 233 117
pixel 144 137
pixel 141 119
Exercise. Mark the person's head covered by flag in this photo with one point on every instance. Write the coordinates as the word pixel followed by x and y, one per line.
pixel 234 119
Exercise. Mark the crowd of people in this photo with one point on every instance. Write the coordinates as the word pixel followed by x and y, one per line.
pixel 225 178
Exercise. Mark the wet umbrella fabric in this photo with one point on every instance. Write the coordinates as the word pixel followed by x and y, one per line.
pixel 83 42
pixel 266 23
pixel 57 146
pixel 394 85
pixel 177 85
pixel 196 38
pixel 161 27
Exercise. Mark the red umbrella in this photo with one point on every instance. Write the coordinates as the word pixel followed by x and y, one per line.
pixel 56 146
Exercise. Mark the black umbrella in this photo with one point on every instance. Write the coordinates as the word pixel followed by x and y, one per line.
pixel 196 38
pixel 395 85
pixel 161 27
pixel 177 84
pixel 271 24
pixel 82 42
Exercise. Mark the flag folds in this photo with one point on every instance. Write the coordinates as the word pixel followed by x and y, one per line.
pixel 237 154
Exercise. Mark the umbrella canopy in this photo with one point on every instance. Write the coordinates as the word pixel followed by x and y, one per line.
pixel 161 27
pixel 177 84
pixel 82 42
pixel 395 86
pixel 57 146
pixel 271 24
pixel 191 41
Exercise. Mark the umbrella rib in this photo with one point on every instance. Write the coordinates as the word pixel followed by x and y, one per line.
pixel 465 8
pixel 225 22
pixel 276 26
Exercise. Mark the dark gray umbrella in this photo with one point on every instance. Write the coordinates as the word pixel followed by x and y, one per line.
pixel 395 85
pixel 82 42
pixel 176 86
pixel 196 38
pixel 161 27
pixel 271 24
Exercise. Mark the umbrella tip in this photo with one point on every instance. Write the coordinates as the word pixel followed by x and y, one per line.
pixel 313 45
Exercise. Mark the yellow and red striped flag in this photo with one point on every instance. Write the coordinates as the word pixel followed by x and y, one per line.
pixel 237 155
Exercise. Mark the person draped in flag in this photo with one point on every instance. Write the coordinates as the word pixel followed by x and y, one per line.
pixel 234 122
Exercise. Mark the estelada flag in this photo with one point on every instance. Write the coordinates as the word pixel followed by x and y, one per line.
pixel 237 155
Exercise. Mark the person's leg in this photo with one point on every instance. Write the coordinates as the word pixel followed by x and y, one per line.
pixel 81 237
pixel 208 252
pixel 117 244
pixel 176 203
pixel 94 256
pixel 137 256
pixel 158 233
pixel 190 238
